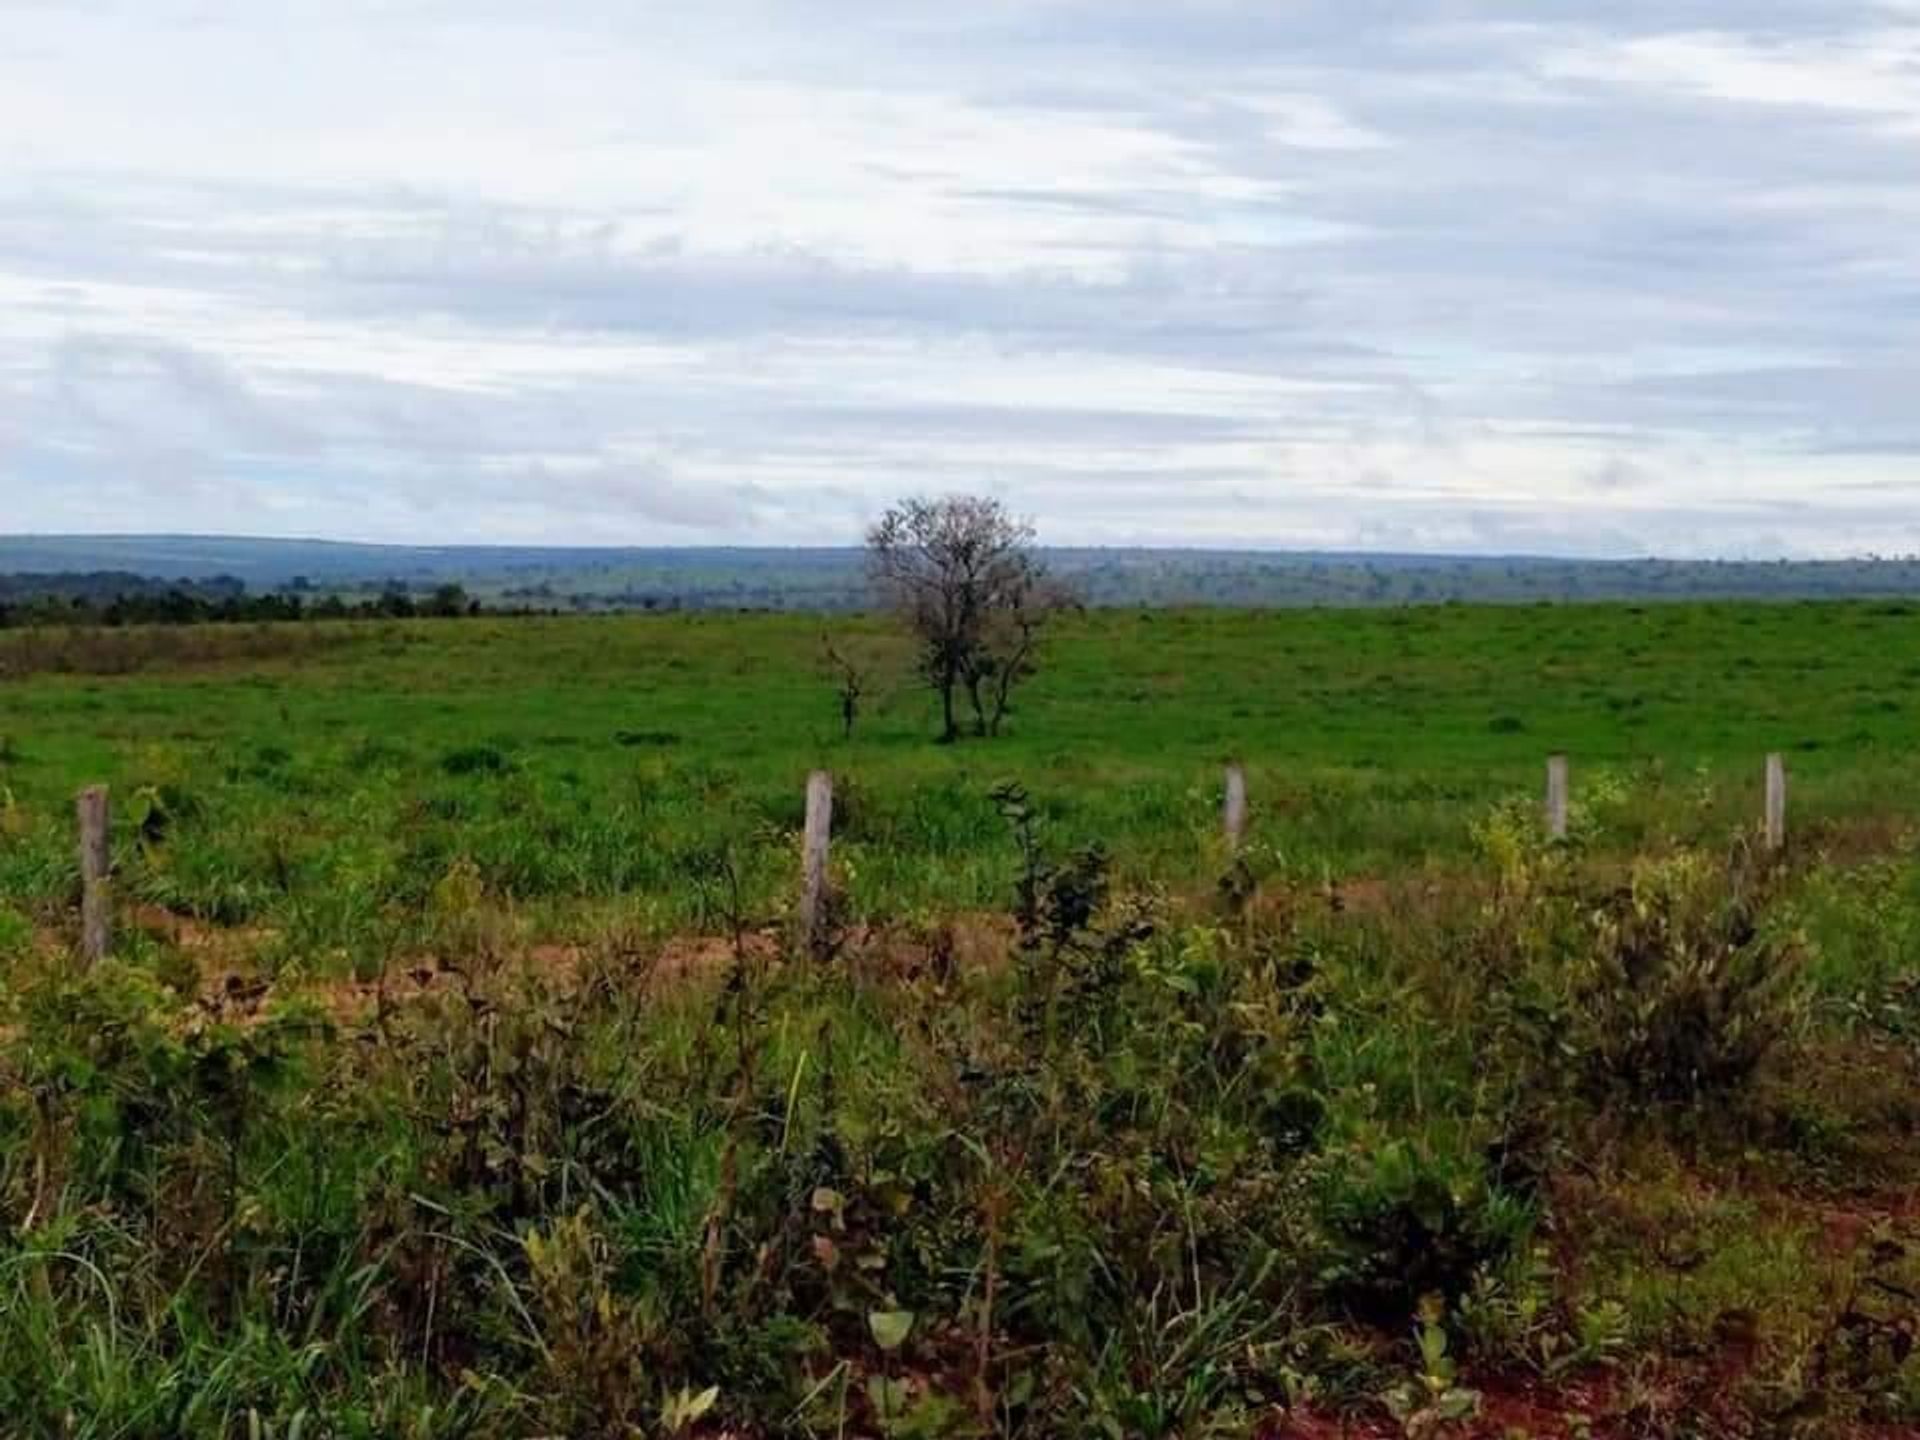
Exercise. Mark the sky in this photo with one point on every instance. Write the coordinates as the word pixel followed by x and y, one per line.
pixel 1576 277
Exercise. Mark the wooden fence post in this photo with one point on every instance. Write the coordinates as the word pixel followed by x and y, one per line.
pixel 819 832
pixel 1236 808
pixel 1557 797
pixel 1776 822
pixel 96 886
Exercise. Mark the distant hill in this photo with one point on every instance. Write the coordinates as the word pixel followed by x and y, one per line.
pixel 266 564
pixel 832 579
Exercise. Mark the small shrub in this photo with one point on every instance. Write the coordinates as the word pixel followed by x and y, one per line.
pixel 1073 943
pixel 475 760
pixel 1676 991
pixel 1402 1221
pixel 596 1341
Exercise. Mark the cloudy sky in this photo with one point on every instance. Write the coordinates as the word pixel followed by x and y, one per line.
pixel 1568 276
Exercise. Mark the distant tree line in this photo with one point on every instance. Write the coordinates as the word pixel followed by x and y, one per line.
pixel 112 598
pixel 842 582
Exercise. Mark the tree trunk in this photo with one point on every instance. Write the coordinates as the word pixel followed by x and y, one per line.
pixel 951 731
pixel 1010 675
pixel 979 706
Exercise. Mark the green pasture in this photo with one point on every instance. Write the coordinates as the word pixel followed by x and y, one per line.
pixel 582 764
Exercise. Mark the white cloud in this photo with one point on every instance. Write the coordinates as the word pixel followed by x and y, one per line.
pixel 1629 276
pixel 1870 71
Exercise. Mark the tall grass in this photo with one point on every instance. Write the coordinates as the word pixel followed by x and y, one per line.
pixel 1138 1174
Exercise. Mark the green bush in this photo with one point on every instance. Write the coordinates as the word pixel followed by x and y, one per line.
pixel 1400 1221
pixel 1675 991
pixel 475 760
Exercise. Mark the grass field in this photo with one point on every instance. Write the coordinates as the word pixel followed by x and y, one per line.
pixel 455 1073
pixel 604 761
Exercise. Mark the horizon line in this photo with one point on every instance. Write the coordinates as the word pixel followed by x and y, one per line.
pixel 1115 547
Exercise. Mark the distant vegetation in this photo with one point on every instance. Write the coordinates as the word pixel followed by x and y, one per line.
pixel 836 579
pixel 112 598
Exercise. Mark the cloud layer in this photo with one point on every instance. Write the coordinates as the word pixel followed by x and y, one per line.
pixel 1623 278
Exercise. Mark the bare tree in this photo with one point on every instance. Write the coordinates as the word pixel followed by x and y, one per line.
pixel 1009 646
pixel 962 576
pixel 849 676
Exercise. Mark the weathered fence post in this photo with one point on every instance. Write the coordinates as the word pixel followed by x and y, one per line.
pixel 96 886
pixel 819 831
pixel 1557 797
pixel 1236 807
pixel 1776 801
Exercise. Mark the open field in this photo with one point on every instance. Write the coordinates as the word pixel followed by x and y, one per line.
pixel 457 1074
pixel 583 767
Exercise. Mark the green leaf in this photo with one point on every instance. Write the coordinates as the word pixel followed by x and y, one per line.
pixel 890 1328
